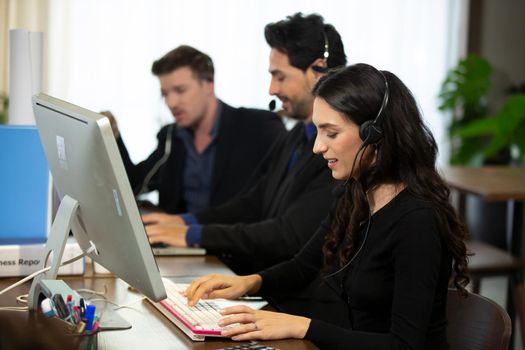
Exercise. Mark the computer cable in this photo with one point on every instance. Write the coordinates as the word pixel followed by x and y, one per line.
pixel 119 306
pixel 92 292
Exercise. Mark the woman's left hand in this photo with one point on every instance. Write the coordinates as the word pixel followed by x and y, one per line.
pixel 260 324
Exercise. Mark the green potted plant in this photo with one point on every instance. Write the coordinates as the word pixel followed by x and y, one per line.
pixel 476 137
pixel 503 132
pixel 4 104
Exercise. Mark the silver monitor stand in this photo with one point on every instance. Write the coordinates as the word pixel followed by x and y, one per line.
pixel 46 285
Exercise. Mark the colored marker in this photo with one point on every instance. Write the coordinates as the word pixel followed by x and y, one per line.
pixel 82 308
pixel 90 314
pixel 80 328
pixel 95 326
pixel 76 314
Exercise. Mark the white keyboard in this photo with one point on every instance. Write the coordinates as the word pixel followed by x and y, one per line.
pixel 198 321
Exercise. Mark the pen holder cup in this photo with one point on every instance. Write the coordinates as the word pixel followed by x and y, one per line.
pixel 83 341
pixel 32 330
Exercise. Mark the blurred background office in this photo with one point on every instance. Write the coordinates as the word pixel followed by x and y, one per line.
pixel 98 54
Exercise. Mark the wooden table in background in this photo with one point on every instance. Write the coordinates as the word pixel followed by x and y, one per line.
pixel 151 330
pixel 493 183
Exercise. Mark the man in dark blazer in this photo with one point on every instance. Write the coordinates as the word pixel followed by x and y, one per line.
pixel 213 150
pixel 273 221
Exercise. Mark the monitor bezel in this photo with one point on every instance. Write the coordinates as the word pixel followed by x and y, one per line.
pixel 57 118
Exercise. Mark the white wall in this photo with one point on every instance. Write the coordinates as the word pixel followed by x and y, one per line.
pixel 101 51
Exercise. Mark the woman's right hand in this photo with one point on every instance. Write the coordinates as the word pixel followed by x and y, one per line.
pixel 221 286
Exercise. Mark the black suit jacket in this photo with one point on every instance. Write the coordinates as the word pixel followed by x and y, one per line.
pixel 272 221
pixel 244 138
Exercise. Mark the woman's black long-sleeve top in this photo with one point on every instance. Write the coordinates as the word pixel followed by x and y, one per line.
pixel 395 289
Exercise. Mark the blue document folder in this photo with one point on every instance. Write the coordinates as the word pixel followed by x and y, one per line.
pixel 24 186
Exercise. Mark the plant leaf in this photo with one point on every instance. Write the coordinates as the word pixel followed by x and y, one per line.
pixel 470 152
pixel 511 114
pixel 480 127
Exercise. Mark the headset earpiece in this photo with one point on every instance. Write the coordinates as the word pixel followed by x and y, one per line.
pixel 371 131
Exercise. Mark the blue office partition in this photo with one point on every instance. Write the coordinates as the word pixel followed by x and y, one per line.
pixel 24 186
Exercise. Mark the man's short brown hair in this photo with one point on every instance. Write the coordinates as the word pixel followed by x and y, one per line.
pixel 185 56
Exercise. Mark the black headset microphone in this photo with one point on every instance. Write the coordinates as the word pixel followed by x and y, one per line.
pixel 341 189
pixel 371 133
pixel 272 105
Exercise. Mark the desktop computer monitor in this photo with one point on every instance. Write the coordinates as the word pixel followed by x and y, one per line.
pixel 87 170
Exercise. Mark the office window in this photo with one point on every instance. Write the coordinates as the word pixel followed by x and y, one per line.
pixel 100 52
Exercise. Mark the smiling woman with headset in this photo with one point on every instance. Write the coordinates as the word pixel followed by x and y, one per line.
pixel 389 246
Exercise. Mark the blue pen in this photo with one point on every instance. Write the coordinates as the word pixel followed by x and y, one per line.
pixel 90 314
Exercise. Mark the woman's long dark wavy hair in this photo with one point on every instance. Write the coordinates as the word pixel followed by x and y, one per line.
pixel 405 154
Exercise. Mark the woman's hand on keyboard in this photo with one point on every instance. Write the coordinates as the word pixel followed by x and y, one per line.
pixel 260 324
pixel 221 286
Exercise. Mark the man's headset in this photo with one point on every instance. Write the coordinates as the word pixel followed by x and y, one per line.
pixel 370 132
pixel 326 54
pixel 320 69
